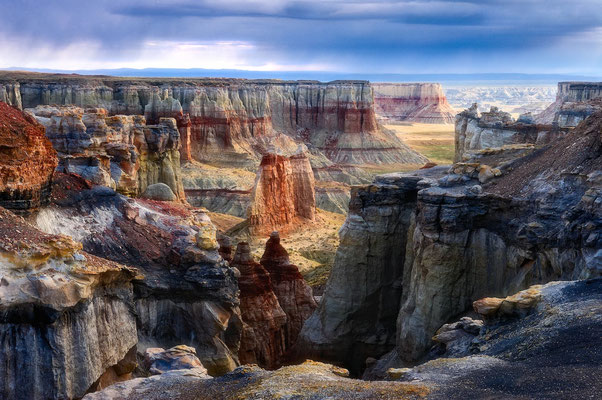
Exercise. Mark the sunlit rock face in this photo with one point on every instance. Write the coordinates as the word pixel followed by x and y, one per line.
pixel 235 120
pixel 575 101
pixel 187 294
pixel 120 151
pixel 412 102
pixel 478 132
pixel 535 220
pixel 27 161
pixel 284 193
pixel 66 321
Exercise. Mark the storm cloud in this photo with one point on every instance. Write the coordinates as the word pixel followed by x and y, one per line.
pixel 351 36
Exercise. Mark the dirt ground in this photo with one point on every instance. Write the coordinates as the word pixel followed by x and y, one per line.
pixel 435 141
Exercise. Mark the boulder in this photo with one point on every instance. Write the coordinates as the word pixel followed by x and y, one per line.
pixel 158 361
pixel 158 191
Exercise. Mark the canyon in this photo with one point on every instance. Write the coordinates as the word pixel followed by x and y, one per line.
pixel 418 248
pixel 436 271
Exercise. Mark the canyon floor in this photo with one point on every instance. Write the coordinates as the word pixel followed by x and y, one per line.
pixel 434 141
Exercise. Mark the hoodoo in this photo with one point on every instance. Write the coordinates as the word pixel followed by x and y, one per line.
pixel 284 193
pixel 119 151
pixel 264 321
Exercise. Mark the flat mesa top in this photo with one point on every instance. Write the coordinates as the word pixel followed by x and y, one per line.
pixel 52 78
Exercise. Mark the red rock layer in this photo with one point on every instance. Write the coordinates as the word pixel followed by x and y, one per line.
pixel 416 102
pixel 283 194
pixel 294 294
pixel 27 161
pixel 264 321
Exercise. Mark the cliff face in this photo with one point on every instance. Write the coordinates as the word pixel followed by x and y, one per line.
pixel 284 193
pixel 231 120
pixel 27 161
pixel 66 316
pixel 413 102
pixel 188 293
pixel 538 221
pixel 497 129
pixel 121 152
pixel 575 101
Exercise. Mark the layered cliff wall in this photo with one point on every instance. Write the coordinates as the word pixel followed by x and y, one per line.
pixel 412 102
pixel 231 120
pixel 66 316
pixel 463 239
pixel 575 101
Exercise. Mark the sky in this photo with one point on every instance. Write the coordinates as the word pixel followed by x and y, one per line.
pixel 353 36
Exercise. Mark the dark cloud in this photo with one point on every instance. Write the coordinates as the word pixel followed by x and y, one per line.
pixel 394 35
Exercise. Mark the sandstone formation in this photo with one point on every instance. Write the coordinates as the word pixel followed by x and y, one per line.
pixel 188 293
pixel 263 339
pixel 310 380
pixel 231 120
pixel 293 293
pixel 420 248
pixel 119 151
pixel 575 101
pixel 158 361
pixel 497 129
pixel 27 161
pixel 66 316
pixel 284 193
pixel 412 102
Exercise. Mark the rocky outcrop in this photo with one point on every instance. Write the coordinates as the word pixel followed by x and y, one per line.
pixel 548 350
pixel 497 129
pixel 284 193
pixel 66 317
pixel 412 102
pixel 575 101
pixel 27 161
pixel 537 221
pixel 188 293
pixel 121 152
pixel 310 380
pixel 232 120
pixel 264 322
pixel 294 294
